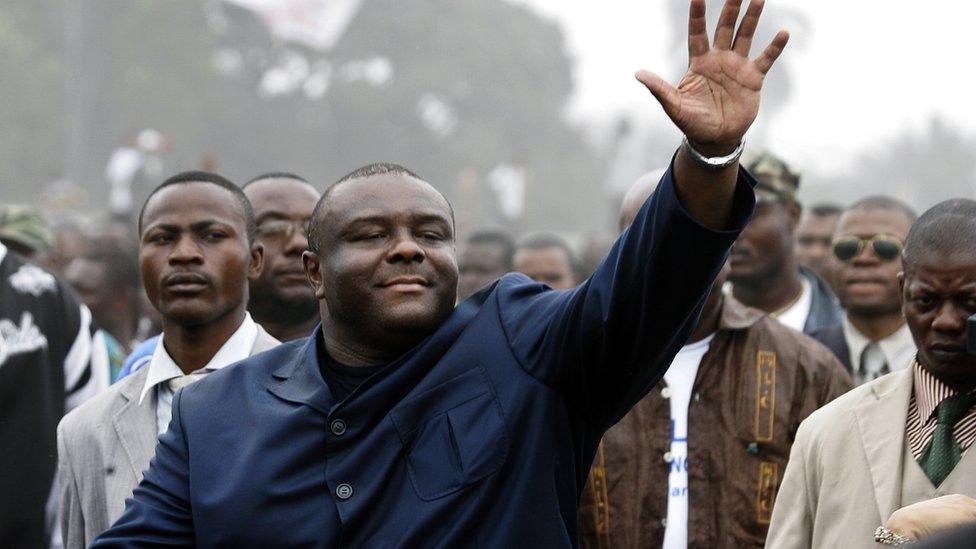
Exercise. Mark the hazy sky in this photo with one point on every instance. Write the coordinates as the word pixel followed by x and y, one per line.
pixel 861 71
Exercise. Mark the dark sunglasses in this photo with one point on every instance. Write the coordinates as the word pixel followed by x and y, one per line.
pixel 281 229
pixel 885 246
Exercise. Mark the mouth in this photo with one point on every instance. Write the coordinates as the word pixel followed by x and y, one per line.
pixel 865 282
pixel 185 283
pixel 294 276
pixel 947 350
pixel 406 284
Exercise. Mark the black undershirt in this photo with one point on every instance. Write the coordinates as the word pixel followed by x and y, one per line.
pixel 342 379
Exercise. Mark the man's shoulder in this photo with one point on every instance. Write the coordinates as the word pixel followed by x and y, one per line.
pixel 99 409
pixel 799 342
pixel 835 415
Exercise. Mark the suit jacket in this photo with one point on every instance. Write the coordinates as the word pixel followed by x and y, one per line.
pixel 833 338
pixel 849 466
pixel 480 436
pixel 825 311
pixel 103 448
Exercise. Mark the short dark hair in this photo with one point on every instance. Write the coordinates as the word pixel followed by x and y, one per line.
pixel 494 237
pixel 275 175
pixel 542 241
pixel 369 170
pixel 195 176
pixel 885 203
pixel 949 227
pixel 121 264
pixel 826 209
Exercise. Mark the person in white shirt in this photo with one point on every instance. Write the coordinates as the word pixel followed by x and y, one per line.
pixel 873 338
pixel 197 250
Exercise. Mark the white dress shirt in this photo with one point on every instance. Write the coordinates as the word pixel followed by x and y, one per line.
pixel 162 368
pixel 898 349
pixel 796 315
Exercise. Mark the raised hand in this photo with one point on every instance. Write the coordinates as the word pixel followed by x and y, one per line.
pixel 718 98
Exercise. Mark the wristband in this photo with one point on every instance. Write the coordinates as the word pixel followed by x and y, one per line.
pixel 713 162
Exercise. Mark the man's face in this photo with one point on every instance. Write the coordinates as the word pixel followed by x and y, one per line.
pixel 939 293
pixel 385 266
pixel 813 237
pixel 194 255
pixel 550 266
pixel 867 285
pixel 765 243
pixel 480 265
pixel 282 209
pixel 90 281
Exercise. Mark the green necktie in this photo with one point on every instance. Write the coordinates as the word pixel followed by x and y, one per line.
pixel 943 453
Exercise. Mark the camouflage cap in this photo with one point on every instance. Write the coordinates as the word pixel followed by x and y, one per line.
pixel 776 180
pixel 25 226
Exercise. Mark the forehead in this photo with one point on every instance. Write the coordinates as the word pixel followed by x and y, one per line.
pixel 811 222
pixel 868 222
pixel 192 203
pixel 82 270
pixel 387 196
pixel 947 271
pixel 282 196
pixel 550 256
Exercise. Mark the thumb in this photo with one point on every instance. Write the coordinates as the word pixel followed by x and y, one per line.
pixel 665 93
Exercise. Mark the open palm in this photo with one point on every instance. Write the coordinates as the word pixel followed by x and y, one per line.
pixel 718 98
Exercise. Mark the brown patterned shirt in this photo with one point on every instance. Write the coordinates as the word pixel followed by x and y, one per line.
pixel 922 415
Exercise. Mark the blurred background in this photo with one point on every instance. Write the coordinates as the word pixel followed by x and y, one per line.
pixel 524 113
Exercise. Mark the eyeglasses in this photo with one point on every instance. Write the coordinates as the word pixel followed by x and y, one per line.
pixel 885 246
pixel 282 229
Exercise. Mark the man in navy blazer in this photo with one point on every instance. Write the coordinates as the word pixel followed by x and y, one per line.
pixel 407 421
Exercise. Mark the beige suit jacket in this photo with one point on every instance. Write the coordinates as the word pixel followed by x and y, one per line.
pixel 103 448
pixel 848 467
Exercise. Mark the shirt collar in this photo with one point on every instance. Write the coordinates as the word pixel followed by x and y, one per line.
pixel 238 346
pixel 928 391
pixel 893 347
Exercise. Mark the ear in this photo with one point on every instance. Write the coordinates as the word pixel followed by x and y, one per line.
pixel 256 265
pixel 313 271
pixel 901 289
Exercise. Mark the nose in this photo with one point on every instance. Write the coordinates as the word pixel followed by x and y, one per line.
pixel 866 256
pixel 405 249
pixel 185 251
pixel 297 244
pixel 949 318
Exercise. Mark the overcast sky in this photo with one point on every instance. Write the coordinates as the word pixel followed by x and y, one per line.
pixel 861 71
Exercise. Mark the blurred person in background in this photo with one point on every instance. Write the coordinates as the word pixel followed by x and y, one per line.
pixel 106 278
pixel 873 339
pixel 548 259
pixel 763 267
pixel 282 300
pixel 45 370
pixel 814 235
pixel 196 254
pixel 594 248
pixel 485 257
pixel 24 230
pixel 697 461
pixel 860 462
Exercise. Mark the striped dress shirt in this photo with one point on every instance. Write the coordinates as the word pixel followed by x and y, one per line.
pixel 922 414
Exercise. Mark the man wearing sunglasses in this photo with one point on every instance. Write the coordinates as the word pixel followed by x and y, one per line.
pixel 282 300
pixel 878 462
pixel 764 271
pixel 873 339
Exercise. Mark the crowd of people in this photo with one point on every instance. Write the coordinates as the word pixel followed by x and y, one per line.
pixel 287 363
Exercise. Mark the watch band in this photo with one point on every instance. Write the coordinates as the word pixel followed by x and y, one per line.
pixel 885 536
pixel 713 162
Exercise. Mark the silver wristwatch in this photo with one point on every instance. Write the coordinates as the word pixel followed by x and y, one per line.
pixel 713 162
pixel 885 536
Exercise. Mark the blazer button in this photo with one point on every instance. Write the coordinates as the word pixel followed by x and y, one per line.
pixel 666 392
pixel 668 457
pixel 338 427
pixel 343 491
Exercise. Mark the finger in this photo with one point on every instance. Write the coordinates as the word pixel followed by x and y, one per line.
pixel 665 93
pixel 697 34
pixel 768 57
pixel 726 24
pixel 743 38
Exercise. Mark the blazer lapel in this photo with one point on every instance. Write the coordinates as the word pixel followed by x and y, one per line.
pixel 881 421
pixel 135 423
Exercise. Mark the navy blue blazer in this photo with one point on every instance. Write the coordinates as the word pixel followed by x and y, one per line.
pixel 482 435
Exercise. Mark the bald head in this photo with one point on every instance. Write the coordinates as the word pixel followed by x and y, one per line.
pixel 947 229
pixel 637 194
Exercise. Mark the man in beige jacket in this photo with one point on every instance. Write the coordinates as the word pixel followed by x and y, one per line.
pixel 903 438
pixel 196 253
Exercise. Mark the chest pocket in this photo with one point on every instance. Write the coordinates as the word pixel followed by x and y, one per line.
pixel 454 434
